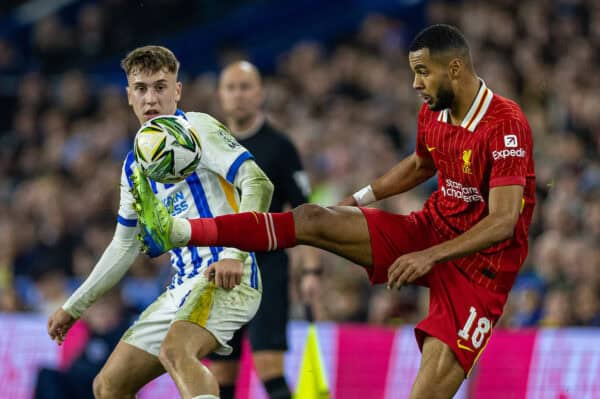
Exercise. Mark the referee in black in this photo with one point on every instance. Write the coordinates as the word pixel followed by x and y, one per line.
pixel 241 95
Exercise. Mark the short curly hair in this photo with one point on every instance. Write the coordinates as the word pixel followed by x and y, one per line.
pixel 150 59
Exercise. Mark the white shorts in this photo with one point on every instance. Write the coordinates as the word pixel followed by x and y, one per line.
pixel 220 311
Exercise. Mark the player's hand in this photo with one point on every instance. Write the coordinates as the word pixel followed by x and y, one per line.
pixel 348 201
pixel 226 273
pixel 409 267
pixel 59 324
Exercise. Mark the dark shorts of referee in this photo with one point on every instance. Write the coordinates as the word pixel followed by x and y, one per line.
pixel 267 331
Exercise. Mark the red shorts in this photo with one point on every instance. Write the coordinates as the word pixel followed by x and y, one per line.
pixel 461 313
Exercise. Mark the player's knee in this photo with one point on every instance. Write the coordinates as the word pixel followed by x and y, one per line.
pixel 169 355
pixel 103 389
pixel 310 219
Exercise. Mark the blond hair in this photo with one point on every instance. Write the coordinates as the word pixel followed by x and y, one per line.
pixel 150 59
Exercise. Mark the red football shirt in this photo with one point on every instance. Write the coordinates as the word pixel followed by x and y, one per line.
pixel 492 147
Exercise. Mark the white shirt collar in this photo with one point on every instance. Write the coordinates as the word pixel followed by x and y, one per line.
pixel 477 111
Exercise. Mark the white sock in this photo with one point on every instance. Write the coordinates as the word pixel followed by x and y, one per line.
pixel 181 232
pixel 205 397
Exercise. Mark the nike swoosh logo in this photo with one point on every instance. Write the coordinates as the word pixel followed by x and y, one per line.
pixel 461 346
pixel 430 148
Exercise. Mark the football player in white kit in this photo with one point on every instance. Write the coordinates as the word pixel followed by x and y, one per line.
pixel 215 290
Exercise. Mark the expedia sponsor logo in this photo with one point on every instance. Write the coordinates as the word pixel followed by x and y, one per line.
pixel 518 153
pixel 510 141
pixel 455 189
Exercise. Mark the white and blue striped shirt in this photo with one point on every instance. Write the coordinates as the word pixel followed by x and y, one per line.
pixel 207 192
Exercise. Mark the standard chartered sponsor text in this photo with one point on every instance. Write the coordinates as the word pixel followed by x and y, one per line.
pixel 455 189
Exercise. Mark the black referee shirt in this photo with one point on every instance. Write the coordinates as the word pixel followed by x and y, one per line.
pixel 279 159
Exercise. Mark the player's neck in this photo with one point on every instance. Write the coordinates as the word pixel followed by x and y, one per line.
pixel 243 129
pixel 465 96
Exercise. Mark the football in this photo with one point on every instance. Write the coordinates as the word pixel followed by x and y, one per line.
pixel 167 148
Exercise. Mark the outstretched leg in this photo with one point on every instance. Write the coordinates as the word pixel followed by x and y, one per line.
pixel 341 230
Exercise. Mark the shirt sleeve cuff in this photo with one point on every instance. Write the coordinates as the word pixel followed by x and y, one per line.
pixel 72 311
pixel 507 181
pixel 233 253
pixel 126 222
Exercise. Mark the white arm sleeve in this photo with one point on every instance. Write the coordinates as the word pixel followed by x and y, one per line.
pixel 255 186
pixel 112 266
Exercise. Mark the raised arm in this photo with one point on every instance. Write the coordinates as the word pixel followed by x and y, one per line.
pixel 408 173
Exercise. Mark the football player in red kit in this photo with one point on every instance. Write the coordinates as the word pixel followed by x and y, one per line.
pixel 468 242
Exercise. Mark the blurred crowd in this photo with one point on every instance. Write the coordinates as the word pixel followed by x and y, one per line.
pixel 351 111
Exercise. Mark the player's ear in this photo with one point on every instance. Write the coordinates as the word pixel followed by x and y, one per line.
pixel 455 67
pixel 128 91
pixel 178 89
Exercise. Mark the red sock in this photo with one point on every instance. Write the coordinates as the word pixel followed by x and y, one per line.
pixel 248 231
